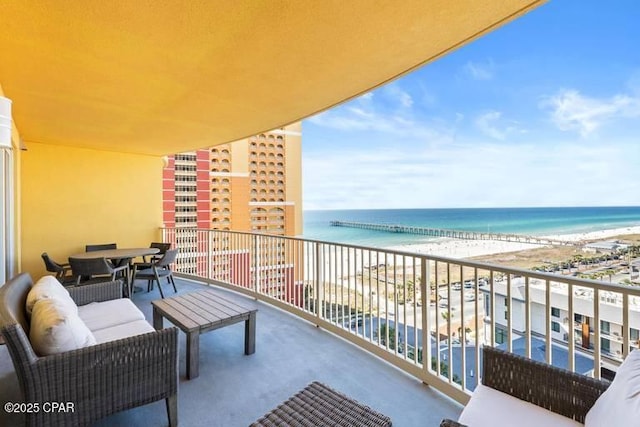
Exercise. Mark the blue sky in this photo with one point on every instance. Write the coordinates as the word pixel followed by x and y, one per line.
pixel 544 111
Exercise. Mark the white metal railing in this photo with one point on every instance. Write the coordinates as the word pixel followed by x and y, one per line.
pixel 427 315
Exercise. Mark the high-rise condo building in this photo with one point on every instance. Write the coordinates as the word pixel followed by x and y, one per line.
pixel 253 184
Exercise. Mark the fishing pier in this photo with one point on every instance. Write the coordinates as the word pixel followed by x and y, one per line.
pixel 456 234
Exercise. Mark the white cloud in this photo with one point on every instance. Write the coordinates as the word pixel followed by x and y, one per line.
pixel 571 111
pixel 395 116
pixel 398 96
pixel 492 125
pixel 360 112
pixel 479 71
pixel 485 124
pixel 473 174
pixel 367 96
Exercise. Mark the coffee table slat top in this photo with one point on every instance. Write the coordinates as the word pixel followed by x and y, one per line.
pixel 200 310
pixel 214 305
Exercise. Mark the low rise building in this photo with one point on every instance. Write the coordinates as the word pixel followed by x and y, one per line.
pixel 549 314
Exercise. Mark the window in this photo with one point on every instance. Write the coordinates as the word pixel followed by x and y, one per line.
pixel 185 219
pixel 634 334
pixel 555 312
pixel 185 199
pixel 555 326
pixel 605 327
pixel 577 318
pixel 605 345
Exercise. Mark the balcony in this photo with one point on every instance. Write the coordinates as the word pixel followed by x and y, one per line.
pixel 235 390
pixel 377 300
pixel 376 324
pixel 120 144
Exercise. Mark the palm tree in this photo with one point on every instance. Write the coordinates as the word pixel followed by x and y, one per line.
pixel 409 290
pixel 578 259
pixel 432 291
pixel 609 272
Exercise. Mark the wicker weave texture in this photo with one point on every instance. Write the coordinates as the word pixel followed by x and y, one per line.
pixel 450 423
pixel 99 380
pixel 558 390
pixel 97 292
pixel 320 406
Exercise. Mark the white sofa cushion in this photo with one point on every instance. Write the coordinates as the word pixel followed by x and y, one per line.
pixel 125 330
pixel 620 404
pixel 56 328
pixel 48 287
pixel 492 408
pixel 101 315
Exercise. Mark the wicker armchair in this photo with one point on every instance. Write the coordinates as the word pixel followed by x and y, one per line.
pixel 555 389
pixel 99 380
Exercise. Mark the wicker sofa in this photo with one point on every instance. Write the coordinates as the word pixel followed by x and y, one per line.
pixel 555 390
pixel 98 380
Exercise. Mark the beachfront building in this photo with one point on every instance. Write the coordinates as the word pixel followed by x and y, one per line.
pixel 251 185
pixel 101 100
pixel 610 313
pixel 604 247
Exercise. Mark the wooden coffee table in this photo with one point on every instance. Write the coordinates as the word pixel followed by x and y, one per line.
pixel 203 311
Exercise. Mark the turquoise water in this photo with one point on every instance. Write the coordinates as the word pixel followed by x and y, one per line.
pixel 530 221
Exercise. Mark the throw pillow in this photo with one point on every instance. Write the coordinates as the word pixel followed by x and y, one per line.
pixel 56 328
pixel 620 404
pixel 48 287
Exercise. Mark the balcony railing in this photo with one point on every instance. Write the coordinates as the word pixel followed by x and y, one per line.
pixel 427 315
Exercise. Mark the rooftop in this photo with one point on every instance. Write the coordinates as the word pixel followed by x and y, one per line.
pixel 235 390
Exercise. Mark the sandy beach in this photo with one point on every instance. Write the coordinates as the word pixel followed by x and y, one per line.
pixel 456 248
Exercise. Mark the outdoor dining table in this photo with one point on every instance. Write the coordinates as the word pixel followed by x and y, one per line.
pixel 116 255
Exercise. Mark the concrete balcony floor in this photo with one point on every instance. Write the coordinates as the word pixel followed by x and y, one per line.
pixel 235 390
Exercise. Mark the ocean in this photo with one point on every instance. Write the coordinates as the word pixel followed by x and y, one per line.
pixel 528 221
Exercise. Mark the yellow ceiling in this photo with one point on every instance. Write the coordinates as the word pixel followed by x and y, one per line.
pixel 160 77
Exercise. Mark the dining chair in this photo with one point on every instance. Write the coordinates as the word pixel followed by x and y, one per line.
pixel 105 247
pixel 147 260
pixel 159 268
pixel 162 248
pixel 61 270
pixel 92 270
pixel 100 247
